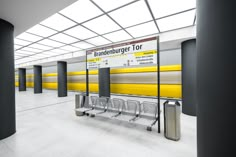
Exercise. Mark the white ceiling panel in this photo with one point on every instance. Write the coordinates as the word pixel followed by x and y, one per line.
pixel 26 53
pixel 29 37
pixel 132 14
pixel 98 41
pixel 70 48
pixel 58 22
pixel 162 8
pixel 63 38
pixel 39 46
pixel 49 53
pixel 31 49
pixel 17 47
pixel 80 32
pixel 118 36
pixel 83 45
pixel 176 21
pixel 102 25
pixel 143 29
pixel 21 42
pixel 41 31
pixel 59 51
pixel 81 11
pixel 111 4
pixel 51 43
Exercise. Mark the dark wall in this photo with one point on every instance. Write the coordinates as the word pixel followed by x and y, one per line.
pixel 7 80
pixel 189 70
pixel 104 82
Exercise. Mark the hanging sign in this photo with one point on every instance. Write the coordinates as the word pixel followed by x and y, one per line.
pixel 140 52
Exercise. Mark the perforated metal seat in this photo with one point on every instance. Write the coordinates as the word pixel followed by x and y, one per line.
pixel 129 111
pixel 99 107
pixel 86 106
pixel 148 114
pixel 113 108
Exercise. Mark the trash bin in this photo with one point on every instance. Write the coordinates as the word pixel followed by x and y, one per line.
pixel 172 129
pixel 80 100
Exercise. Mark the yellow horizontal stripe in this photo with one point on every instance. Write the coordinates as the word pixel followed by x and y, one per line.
pixel 52 85
pixel 118 71
pixel 30 84
pixel 49 74
pixel 133 89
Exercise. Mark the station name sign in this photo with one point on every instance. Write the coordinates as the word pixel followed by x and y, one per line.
pixel 126 54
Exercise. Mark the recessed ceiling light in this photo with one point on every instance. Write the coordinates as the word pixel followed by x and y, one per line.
pixel 117 36
pixel 31 49
pixel 29 37
pixel 39 46
pixel 51 43
pixel 132 14
pixel 111 4
pixel 59 51
pixel 58 22
pixel 63 38
pixel 102 25
pixel 70 48
pixel 161 8
pixel 81 11
pixel 41 31
pixel 98 41
pixel 176 21
pixel 80 32
pixel 21 42
pixel 143 29
pixel 83 45
pixel 17 46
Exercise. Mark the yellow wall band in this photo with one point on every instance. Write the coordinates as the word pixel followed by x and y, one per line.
pixel 118 71
pixel 133 89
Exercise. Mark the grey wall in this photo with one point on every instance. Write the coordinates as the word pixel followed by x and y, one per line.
pixel 76 67
pixel 169 57
pixel 49 69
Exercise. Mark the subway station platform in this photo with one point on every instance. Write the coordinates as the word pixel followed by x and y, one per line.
pixel 48 127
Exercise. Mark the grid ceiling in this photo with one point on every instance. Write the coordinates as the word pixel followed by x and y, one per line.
pixel 89 23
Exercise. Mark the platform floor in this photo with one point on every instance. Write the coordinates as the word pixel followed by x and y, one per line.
pixel 47 127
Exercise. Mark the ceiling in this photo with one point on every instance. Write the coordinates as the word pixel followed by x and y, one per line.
pixel 87 24
pixel 24 14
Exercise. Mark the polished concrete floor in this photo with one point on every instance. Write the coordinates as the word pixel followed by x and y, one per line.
pixel 47 127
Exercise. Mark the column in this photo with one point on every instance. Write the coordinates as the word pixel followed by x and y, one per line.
pixel 216 78
pixel 104 82
pixel 7 80
pixel 62 78
pixel 37 79
pixel 189 65
pixel 22 79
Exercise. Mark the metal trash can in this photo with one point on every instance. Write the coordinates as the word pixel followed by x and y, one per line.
pixel 172 112
pixel 79 102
